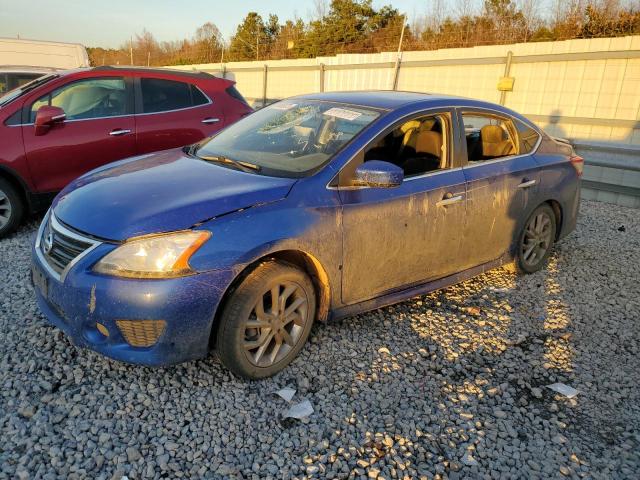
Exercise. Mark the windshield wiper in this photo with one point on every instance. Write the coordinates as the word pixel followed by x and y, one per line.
pixel 240 165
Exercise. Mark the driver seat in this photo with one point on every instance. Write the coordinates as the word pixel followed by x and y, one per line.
pixel 428 154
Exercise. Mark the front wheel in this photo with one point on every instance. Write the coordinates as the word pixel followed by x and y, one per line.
pixel 266 321
pixel 536 240
pixel 11 208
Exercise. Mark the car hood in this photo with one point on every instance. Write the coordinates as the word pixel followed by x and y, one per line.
pixel 161 192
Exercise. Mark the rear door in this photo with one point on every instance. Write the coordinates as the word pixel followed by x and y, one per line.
pixel 172 113
pixel 502 184
pixel 99 128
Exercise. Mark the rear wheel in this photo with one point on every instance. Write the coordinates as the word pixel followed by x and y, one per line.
pixel 536 240
pixel 266 321
pixel 11 208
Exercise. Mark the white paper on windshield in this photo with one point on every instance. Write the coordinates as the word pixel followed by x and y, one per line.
pixel 283 106
pixel 343 113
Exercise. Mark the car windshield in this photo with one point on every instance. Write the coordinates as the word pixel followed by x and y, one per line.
pixel 292 138
pixel 27 87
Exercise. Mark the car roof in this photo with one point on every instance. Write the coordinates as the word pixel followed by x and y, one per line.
pixel 129 68
pixel 391 99
pixel 165 71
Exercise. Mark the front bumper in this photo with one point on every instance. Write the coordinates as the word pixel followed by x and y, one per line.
pixel 83 299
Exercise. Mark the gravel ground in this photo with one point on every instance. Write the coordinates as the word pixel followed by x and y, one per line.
pixel 448 385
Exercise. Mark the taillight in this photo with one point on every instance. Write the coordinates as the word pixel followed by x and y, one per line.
pixel 578 163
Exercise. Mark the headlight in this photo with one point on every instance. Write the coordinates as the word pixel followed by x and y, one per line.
pixel 156 256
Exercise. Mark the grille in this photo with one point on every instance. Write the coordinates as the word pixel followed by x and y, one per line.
pixel 60 246
pixel 141 333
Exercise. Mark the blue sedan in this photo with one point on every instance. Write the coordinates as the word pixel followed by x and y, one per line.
pixel 314 208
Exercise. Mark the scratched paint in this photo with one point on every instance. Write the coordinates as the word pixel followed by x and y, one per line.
pixel 92 300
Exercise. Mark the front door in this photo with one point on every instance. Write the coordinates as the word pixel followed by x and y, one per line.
pixel 99 128
pixel 409 234
pixel 502 182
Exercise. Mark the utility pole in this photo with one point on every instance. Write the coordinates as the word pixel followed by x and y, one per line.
pixel 148 58
pixel 399 56
pixel 131 49
pixel 258 46
pixel 404 24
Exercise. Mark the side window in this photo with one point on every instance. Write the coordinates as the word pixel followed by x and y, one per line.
pixel 527 137
pixel 160 95
pixel 417 146
pixel 14 119
pixel 42 101
pixel 198 97
pixel 488 137
pixel 84 99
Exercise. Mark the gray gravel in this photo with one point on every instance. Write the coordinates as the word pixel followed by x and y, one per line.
pixel 448 385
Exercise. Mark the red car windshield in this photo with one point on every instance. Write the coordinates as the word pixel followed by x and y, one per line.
pixel 27 87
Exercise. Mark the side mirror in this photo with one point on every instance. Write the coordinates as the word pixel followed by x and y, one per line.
pixel 378 174
pixel 47 117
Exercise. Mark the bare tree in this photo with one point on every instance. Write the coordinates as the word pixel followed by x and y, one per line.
pixel 465 8
pixel 531 10
pixel 320 9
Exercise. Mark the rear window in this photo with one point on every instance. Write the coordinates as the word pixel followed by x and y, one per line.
pixel 160 95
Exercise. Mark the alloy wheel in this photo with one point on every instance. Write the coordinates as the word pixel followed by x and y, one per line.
pixel 5 209
pixel 275 324
pixel 536 240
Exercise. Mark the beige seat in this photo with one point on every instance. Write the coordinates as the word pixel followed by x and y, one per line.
pixel 495 142
pixel 430 143
pixel 428 154
pixel 410 131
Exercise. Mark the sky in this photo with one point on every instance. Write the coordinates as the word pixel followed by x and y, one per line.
pixel 110 23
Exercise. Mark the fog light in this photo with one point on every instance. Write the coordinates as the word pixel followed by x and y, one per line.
pixel 141 333
pixel 102 329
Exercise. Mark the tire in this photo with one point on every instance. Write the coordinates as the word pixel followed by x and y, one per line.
pixel 246 341
pixel 536 239
pixel 11 208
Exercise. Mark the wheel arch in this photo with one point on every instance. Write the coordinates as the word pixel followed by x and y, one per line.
pixel 16 181
pixel 557 211
pixel 305 261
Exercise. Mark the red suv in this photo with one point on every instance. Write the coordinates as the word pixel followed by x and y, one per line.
pixel 62 125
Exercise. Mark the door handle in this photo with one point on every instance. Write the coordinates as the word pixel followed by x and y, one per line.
pixel 119 131
pixel 527 184
pixel 211 120
pixel 449 199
